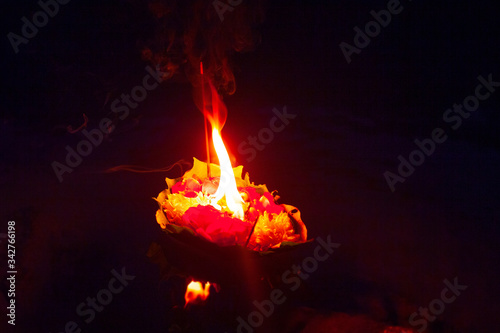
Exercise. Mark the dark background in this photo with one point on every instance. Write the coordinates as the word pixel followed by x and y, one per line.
pixel 353 120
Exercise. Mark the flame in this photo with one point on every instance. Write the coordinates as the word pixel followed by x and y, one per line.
pixel 196 292
pixel 216 112
pixel 227 184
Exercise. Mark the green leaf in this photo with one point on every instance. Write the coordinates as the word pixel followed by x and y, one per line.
pixel 175 229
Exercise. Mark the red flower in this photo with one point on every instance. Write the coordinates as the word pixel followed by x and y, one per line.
pixel 189 187
pixel 261 203
pixel 215 226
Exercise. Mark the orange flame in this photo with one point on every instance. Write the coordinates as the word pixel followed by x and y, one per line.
pixel 215 111
pixel 227 184
pixel 208 101
pixel 195 292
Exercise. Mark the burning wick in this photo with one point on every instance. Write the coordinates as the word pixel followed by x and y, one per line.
pixel 196 292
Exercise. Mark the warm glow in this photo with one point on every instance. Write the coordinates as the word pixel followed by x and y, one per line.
pixel 227 184
pixel 196 292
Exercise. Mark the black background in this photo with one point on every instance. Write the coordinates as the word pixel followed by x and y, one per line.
pixel 353 120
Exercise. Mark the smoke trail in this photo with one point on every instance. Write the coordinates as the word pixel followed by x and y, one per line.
pixel 190 31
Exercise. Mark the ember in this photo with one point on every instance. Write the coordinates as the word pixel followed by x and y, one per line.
pixel 195 292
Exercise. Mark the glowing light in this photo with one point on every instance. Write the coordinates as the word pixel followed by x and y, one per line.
pixel 195 292
pixel 227 184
